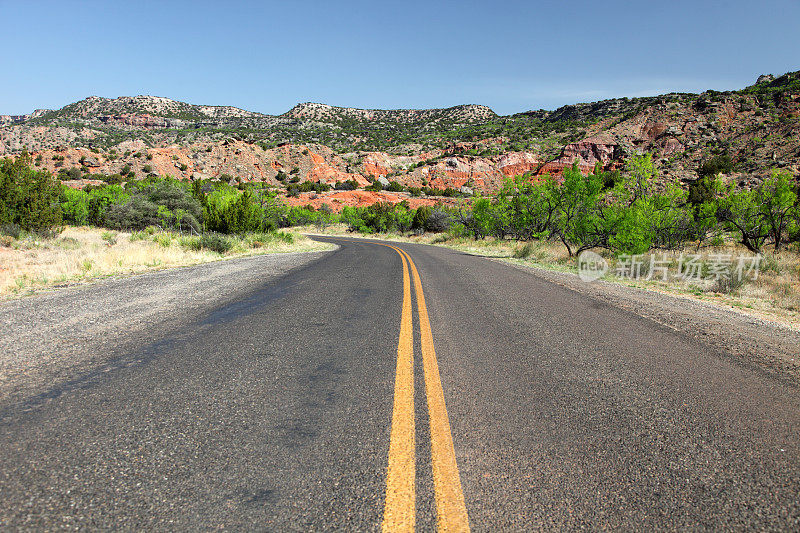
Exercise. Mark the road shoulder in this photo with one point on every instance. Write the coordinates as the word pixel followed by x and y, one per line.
pixel 53 335
pixel 750 340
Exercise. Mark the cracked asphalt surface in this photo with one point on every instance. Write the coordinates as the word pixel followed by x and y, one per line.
pixel 271 410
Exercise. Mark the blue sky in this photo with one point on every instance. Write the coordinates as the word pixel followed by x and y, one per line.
pixel 267 56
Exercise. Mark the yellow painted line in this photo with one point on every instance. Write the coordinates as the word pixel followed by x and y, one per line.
pixel 399 512
pixel 451 511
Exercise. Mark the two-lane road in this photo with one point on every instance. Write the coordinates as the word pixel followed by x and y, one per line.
pixel 408 385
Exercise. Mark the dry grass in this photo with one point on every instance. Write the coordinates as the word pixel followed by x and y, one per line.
pixel 82 254
pixel 774 294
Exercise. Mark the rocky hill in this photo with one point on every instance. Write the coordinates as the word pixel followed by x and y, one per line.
pixel 469 146
pixel 330 114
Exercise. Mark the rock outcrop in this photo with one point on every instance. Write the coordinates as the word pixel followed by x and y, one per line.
pixel 587 153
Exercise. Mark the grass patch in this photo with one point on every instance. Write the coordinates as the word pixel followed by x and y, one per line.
pixel 83 253
pixel 524 251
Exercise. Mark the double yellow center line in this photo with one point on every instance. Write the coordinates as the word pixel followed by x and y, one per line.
pixel 400 508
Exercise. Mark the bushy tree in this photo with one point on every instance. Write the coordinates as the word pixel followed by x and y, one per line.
pixel 717 164
pixel 137 213
pixel 349 185
pixel 777 198
pixel 663 220
pixel 74 206
pixel 28 198
pixel 300 216
pixel 101 199
pixel 740 212
pixel 421 216
pixel 529 207
pixel 768 213
pixel 641 174
pixel 481 220
pixel 380 217
pixel 173 195
pixel 438 221
pixel 579 218
pixel 230 212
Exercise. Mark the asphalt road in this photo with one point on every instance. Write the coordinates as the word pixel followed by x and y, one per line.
pixel 532 407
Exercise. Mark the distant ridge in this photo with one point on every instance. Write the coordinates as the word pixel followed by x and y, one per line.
pixel 757 127
pixel 157 106
pixel 327 113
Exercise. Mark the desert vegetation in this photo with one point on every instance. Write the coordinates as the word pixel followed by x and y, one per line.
pixel 625 212
pixel 617 213
pixel 548 222
pixel 52 234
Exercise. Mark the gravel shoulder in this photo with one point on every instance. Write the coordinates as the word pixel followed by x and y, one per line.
pixel 51 336
pixel 751 341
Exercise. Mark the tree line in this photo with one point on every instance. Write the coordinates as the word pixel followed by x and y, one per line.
pixel 625 212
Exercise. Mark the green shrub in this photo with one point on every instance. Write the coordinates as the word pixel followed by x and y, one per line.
pixel 157 202
pixel 90 205
pixel 190 242
pixel 702 190
pixel 11 230
pixel 438 221
pixel 72 174
pixel 28 198
pixel 258 239
pixel 378 218
pixel 349 185
pixel 300 216
pixel 109 237
pixel 421 216
pixel 144 234
pixel 729 285
pixel 524 251
pixel 215 242
pixel 138 236
pixel 288 238
pixel 715 165
pixel 74 206
pixel 163 239
pixel 136 213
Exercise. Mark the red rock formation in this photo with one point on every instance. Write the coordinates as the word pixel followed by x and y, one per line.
pixel 669 145
pixel 322 171
pixel 374 165
pixel 516 163
pixel 654 130
pixel 336 200
pixel 587 153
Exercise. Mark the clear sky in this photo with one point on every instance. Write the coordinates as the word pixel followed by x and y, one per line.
pixel 267 56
